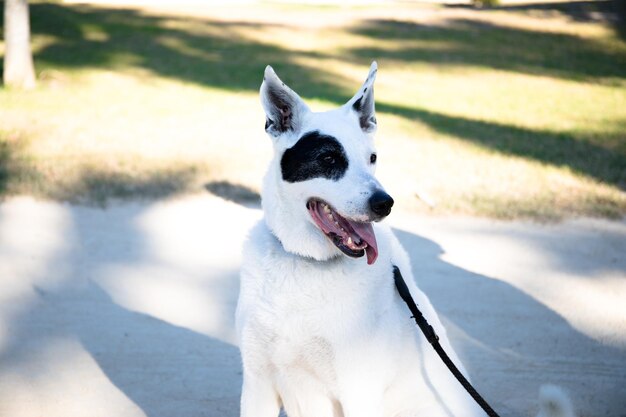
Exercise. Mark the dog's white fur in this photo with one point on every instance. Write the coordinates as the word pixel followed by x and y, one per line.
pixel 322 334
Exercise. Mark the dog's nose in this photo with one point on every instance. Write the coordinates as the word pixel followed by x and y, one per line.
pixel 381 203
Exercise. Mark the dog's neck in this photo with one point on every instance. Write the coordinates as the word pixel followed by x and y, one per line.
pixel 290 221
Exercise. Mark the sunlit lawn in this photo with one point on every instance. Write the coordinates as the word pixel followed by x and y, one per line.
pixel 514 112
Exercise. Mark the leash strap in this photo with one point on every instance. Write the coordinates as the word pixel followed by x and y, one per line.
pixel 433 339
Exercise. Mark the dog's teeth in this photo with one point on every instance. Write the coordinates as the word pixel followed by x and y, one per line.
pixel 326 209
pixel 330 217
pixel 349 240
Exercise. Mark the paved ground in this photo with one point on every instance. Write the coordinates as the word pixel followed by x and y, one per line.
pixel 128 311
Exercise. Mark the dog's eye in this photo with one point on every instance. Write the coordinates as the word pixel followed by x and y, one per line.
pixel 329 159
pixel 373 158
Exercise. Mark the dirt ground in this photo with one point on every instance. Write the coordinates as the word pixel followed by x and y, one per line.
pixel 128 311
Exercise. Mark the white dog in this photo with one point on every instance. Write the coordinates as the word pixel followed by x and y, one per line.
pixel 323 332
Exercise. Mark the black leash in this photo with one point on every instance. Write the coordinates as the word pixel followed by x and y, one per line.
pixel 433 339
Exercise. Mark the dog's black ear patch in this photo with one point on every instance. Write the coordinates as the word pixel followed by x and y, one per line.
pixel 315 155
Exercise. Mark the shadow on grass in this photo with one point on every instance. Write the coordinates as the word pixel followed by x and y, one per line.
pixel 612 12
pixel 100 185
pixel 465 42
pixel 5 160
pixel 15 167
pixel 559 149
pixel 215 53
pixel 206 52
pixel 88 185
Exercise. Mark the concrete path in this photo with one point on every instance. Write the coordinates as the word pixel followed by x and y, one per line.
pixel 128 311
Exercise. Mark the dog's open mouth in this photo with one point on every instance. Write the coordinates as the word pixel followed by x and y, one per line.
pixel 353 238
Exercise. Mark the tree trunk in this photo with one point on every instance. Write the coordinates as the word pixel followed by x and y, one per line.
pixel 19 71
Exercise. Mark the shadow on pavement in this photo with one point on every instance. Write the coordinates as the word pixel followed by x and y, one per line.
pixel 511 344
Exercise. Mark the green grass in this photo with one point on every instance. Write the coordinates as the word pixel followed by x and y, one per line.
pixel 514 111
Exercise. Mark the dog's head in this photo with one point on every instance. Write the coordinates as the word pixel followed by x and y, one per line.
pixel 320 195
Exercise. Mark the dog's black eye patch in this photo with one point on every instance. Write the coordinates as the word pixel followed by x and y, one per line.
pixel 315 155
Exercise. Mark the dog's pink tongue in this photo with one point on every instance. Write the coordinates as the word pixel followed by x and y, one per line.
pixel 366 231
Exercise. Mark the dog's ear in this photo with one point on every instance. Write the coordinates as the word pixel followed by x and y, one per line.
pixel 284 108
pixel 363 102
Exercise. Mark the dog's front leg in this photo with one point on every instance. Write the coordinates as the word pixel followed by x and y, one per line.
pixel 258 397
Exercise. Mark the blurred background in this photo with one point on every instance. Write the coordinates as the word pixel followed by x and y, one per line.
pixel 500 109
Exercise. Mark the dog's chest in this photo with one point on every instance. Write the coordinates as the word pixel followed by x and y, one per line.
pixel 309 324
pixel 315 302
pixel 301 316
